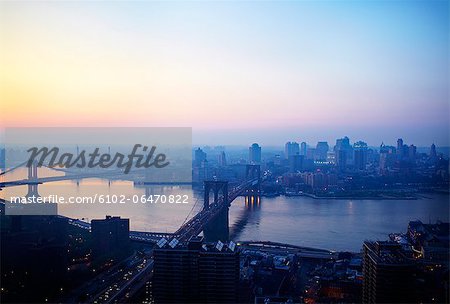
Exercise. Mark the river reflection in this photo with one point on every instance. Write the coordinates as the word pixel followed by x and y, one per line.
pixel 329 224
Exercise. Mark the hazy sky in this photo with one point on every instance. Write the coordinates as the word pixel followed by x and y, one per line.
pixel 237 72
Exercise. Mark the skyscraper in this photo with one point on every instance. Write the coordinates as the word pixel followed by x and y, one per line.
pixel 343 144
pixel 388 274
pixel 360 155
pixel 341 159
pixel 254 154
pixel 110 237
pixel 400 149
pixel 387 158
pixel 295 163
pixel 412 151
pixel 321 150
pixel 433 154
pixel 199 157
pixel 399 145
pixel 196 272
pixel 290 149
pixel 222 159
pixel 303 148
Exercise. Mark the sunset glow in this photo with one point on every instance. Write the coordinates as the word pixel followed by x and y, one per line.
pixel 197 64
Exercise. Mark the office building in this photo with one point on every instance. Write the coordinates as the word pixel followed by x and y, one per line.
pixel 199 157
pixel 291 149
pixel 295 163
pixel 321 151
pixel 412 151
pixel 110 238
pixel 343 144
pixel 433 154
pixel 254 154
pixel 222 159
pixel 341 160
pixel 195 272
pixel 303 148
pixel 388 273
pixel 399 146
pixel 360 155
pixel 387 158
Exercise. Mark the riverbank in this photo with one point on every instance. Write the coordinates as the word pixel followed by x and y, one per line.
pixel 348 197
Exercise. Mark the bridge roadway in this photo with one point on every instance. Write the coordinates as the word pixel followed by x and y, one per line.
pixel 138 236
pixel 193 227
pixel 116 292
pixel 49 179
pixel 196 224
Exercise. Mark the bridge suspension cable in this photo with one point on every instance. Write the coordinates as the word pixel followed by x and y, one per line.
pixel 13 168
pixel 192 209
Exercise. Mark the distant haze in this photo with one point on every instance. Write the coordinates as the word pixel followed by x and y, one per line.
pixel 237 72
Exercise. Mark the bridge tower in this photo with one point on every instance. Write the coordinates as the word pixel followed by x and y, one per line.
pixel 253 193
pixel 216 187
pixel 33 176
pixel 216 229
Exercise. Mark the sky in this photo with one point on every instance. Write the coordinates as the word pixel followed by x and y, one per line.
pixel 236 72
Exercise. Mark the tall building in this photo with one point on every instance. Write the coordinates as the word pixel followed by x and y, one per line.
pixel 254 154
pixel 290 149
pixel 402 150
pixel 412 151
pixel 387 158
pixel 341 159
pixel 303 148
pixel 322 150
pixel 295 163
pixel 388 274
pixel 399 146
pixel 195 272
pixel 360 155
pixel 311 153
pixel 331 158
pixel 35 254
pixel 222 159
pixel 433 154
pixel 343 144
pixel 110 237
pixel 199 157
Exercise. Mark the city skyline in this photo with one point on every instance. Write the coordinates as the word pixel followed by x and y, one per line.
pixel 279 70
pixel 310 140
pixel 292 151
